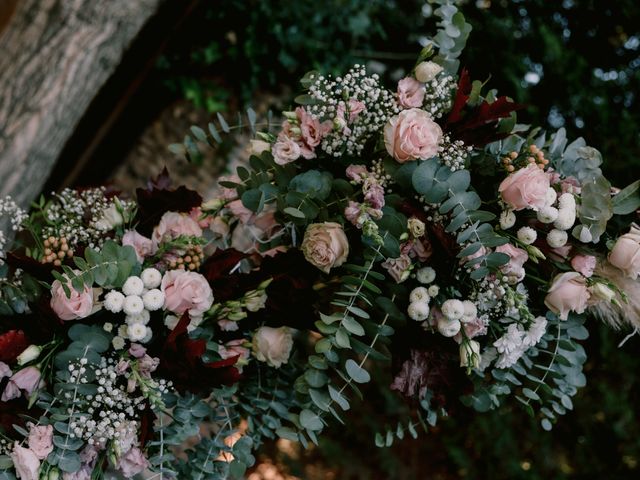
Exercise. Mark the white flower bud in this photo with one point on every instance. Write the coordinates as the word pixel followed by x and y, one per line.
pixel 507 219
pixel 29 354
pixel 453 309
pixel 547 214
pixel 133 286
pixel 557 238
pixel 427 71
pixel 527 235
pixel 418 311
pixel 419 294
pixel 449 328
pixel 470 354
pixel 602 292
pixel 426 275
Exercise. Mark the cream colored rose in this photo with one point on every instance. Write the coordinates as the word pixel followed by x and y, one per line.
pixel 427 71
pixel 626 253
pixel 568 293
pixel 272 345
pixel 325 245
pixel 412 134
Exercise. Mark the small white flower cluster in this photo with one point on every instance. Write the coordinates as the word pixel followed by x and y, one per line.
pixel 516 341
pixel 378 172
pixel 456 313
pixel 110 414
pixel 71 209
pixel 453 153
pixel 16 216
pixel 139 296
pixel 438 98
pixel 420 297
pixel 563 218
pixel 334 100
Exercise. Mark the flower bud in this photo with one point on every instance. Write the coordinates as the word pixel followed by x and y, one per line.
pixel 470 354
pixel 54 474
pixel 29 354
pixel 213 204
pixel 427 71
pixel 256 147
pixel 416 227
pixel 602 292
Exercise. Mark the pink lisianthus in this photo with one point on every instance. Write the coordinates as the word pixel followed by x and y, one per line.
pixel 412 135
pixel 285 150
pixel 526 188
pixel 41 440
pixel 186 292
pixel 241 212
pixel 26 380
pixel 352 213
pixel 585 264
pixel 514 270
pixel 398 268
pixel 356 172
pixel 568 292
pixel 374 195
pixel 234 348
pixel 143 246
pixel 26 463
pixel 311 130
pixel 173 225
pixel 133 463
pixel 410 93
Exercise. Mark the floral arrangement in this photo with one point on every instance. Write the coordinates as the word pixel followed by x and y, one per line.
pixel 420 228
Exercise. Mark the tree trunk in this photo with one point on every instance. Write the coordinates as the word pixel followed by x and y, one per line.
pixel 56 55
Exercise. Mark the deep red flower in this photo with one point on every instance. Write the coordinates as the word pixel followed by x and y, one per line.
pixel 12 343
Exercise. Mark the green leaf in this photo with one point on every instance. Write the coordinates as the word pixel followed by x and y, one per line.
pixel 353 326
pixel 294 212
pixel 337 397
pixel 356 372
pixel 627 200
pixel 310 420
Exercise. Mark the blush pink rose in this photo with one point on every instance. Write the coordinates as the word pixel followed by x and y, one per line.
pixel 272 345
pixel 173 225
pixel 25 462
pixel 568 292
pixel 517 258
pixel 41 440
pixel 325 245
pixel 585 264
pixel 398 268
pixel 78 305
pixel 143 246
pixel 411 135
pixel 410 93
pixel 626 253
pixel 186 292
pixel 526 188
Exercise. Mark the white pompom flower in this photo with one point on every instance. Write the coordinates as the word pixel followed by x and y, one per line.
pixel 418 311
pixel 433 290
pixel 136 332
pixel 507 219
pixel 143 318
pixel 133 305
pixel 118 343
pixel 527 235
pixel 453 309
pixel 551 196
pixel 113 301
pixel 547 214
pixel 419 294
pixel 133 286
pixel 449 328
pixel 470 312
pixel 153 300
pixel 151 277
pixel 426 275
pixel 567 201
pixel 566 218
pixel 557 238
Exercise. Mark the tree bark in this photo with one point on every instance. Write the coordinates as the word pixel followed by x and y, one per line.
pixel 56 55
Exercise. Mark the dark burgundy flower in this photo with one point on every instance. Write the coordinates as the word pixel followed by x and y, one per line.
pixel 12 343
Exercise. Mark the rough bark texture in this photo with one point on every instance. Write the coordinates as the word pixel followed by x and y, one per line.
pixel 56 54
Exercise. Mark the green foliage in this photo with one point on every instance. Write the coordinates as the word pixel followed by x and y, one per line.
pixel 15 298
pixel 451 36
pixel 109 267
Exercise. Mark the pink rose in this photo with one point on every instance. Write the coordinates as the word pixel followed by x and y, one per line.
pixel 26 463
pixel 239 211
pixel 356 172
pixel 325 245
pixel 568 292
pixel 41 440
pixel 272 345
pixel 398 268
pixel 186 291
pixel 526 188
pixel 411 135
pixel 285 150
pixel 585 264
pixel 78 305
pixel 311 130
pixel 517 257
pixel 626 253
pixel 143 246
pixel 410 93
pixel 173 225
pixel 132 463
pixel 234 348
